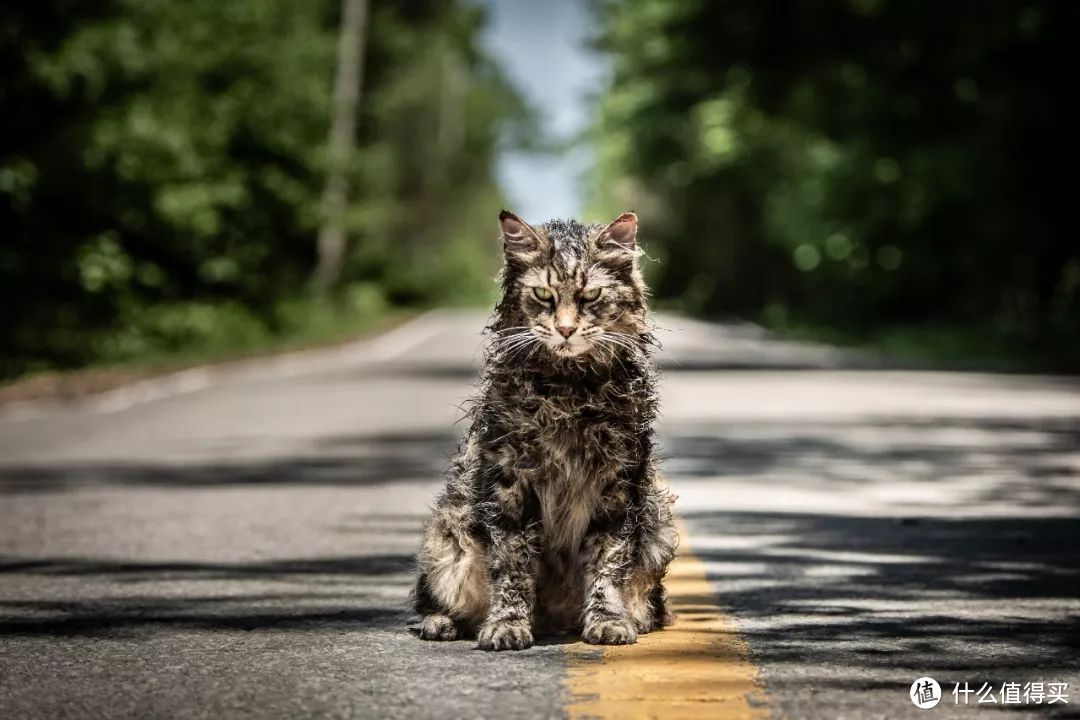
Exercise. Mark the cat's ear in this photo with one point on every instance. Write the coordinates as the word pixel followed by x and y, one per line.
pixel 520 240
pixel 620 234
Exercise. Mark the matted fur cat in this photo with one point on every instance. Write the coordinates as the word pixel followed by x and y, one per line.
pixel 554 518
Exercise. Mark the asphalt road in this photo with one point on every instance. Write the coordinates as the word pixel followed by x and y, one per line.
pixel 239 544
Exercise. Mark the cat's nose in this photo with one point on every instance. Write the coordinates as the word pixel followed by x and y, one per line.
pixel 566 330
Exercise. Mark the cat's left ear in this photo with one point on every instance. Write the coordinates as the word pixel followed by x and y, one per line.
pixel 620 234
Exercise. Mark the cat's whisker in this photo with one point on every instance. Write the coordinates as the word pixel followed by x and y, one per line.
pixel 609 354
pixel 609 345
pixel 511 347
pixel 516 339
pixel 629 338
pixel 603 348
pixel 625 341
pixel 535 342
pixel 620 342
pixel 521 343
pixel 513 338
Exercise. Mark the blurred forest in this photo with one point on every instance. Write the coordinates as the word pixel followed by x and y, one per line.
pixel 161 166
pixel 847 169
pixel 858 165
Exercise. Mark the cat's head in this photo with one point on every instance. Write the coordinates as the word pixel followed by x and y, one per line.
pixel 570 290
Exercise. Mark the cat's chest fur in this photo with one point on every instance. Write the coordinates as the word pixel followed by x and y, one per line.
pixel 570 446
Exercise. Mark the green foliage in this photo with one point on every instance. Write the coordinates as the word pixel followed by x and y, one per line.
pixel 160 182
pixel 179 333
pixel 849 163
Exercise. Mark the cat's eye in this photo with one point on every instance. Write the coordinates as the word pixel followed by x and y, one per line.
pixel 590 294
pixel 542 294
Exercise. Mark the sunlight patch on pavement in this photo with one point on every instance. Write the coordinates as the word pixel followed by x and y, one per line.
pixel 696 668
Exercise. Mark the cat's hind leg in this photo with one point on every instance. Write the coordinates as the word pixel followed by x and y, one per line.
pixel 646 597
pixel 438 626
pixel 661 607
pixel 453 589
pixel 639 594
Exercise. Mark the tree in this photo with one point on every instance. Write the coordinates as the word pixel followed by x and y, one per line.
pixel 342 142
pixel 162 181
pixel 857 163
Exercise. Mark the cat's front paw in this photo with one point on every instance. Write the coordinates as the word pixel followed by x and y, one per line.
pixel 505 636
pixel 438 627
pixel 611 631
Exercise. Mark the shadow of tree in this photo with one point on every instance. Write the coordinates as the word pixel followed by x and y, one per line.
pixel 981 586
pixel 834 606
pixel 1032 463
pixel 129 620
pixel 360 565
pixel 334 461
pixel 353 606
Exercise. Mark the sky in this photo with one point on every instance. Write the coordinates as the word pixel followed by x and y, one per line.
pixel 542 47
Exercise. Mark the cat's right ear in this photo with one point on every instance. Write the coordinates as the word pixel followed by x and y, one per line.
pixel 520 241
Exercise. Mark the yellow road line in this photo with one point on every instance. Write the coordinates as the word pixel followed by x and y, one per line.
pixel 695 668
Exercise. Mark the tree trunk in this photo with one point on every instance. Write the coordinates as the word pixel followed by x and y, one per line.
pixel 342 142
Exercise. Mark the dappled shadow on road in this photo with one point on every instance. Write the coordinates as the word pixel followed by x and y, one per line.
pixel 819 557
pixel 339 593
pixel 333 461
pixel 1033 462
pixel 148 571
pixel 898 547
pixel 350 567
pixel 102 618
pixel 837 603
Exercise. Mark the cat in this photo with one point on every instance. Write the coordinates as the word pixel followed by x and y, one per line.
pixel 554 518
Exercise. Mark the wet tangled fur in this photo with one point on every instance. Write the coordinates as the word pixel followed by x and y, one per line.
pixel 554 518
